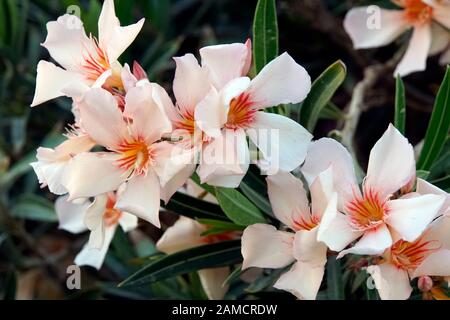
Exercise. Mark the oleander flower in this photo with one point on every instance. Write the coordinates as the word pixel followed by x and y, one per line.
pixel 231 111
pixel 187 233
pixel 101 218
pixel 374 215
pixel 429 255
pixel 84 61
pixel 265 247
pixel 135 155
pixel 428 19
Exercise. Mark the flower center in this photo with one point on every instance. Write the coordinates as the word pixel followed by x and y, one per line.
pixel 111 216
pixel 186 122
pixel 367 212
pixel 241 114
pixel 95 62
pixel 409 255
pixel 416 11
pixel 304 221
pixel 135 155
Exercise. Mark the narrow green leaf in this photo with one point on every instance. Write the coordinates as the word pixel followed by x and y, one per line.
pixel 422 174
pixel 202 257
pixel 238 208
pixel 331 112
pixel 335 285
pixel 219 224
pixel 265 34
pixel 255 189
pixel 34 207
pixel 194 208
pixel 400 105
pixel 234 275
pixel 204 186
pixel 438 128
pixel 322 90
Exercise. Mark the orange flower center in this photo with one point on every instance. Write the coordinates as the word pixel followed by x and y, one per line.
pixel 304 222
pixel 186 122
pixel 241 114
pixel 111 216
pixel 135 155
pixel 416 11
pixel 95 62
pixel 368 212
pixel 409 255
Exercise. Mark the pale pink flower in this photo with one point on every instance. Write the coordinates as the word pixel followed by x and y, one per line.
pixel 265 247
pixel 186 233
pixel 51 163
pixel 371 27
pixel 134 156
pixel 100 217
pixel 429 255
pixel 374 216
pixel 85 61
pixel 231 111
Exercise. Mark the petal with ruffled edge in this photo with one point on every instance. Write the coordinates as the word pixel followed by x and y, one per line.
pixel 92 174
pixel 371 243
pixel 282 142
pixel 112 37
pixel 288 198
pixel 409 217
pixel 263 246
pixel 343 170
pixel 369 29
pixel 141 197
pixel 71 215
pixel 415 58
pixel 390 163
pixel 281 81
pixel 184 234
pixel 391 282
pixel 224 62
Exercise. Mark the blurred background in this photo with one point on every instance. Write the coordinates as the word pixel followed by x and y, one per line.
pixel 33 252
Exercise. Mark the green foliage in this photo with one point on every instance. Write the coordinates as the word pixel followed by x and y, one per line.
pixel 400 105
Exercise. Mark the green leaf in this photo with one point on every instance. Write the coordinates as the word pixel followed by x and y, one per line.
pixel 256 191
pixel 202 257
pixel 438 127
pixel 204 186
pixel 322 90
pixel 34 207
pixel 234 275
pixel 422 174
pixel 335 284
pixel 265 281
pixel 400 105
pixel 331 112
pixel 219 224
pixel 194 208
pixel 238 208
pixel 265 34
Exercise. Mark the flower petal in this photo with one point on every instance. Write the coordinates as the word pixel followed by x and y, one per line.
pixel 288 198
pixel 361 26
pixel 176 182
pixel 415 58
pixel 149 120
pixel 441 12
pixel 340 159
pixel 436 264
pixel 67 42
pixel 302 280
pixel 391 163
pixel 226 156
pixel 71 215
pixel 282 141
pixel 114 38
pixel 95 257
pixel 212 282
pixel 141 198
pixel 224 63
pixel 102 118
pixel 371 243
pixel 51 80
pixel 440 38
pixel 307 249
pixel 190 84
pixel 323 196
pixel 95 222
pixel 391 282
pixel 281 81
pixel 90 174
pixel 423 187
pixel 409 217
pixel 263 246
pixel 184 234
pixel 128 221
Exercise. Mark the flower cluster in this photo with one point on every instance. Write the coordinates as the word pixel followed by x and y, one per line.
pixel 131 146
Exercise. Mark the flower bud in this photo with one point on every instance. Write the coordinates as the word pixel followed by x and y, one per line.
pixel 425 283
